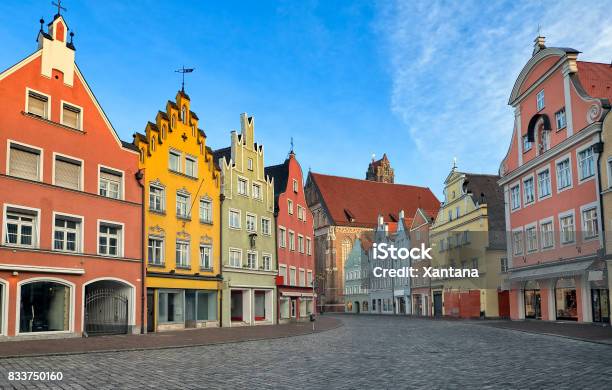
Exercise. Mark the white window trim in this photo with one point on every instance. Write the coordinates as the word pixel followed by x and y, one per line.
pixel 300 271
pixel 246 187
pixel 578 150
pixel 308 246
pixel 62 102
pixel 121 253
pixel 122 190
pixel 163 197
pixel 289 241
pixel 285 275
pixel 252 252
pixel 187 204
pixel 229 213
pixel 229 251
pixel 27 108
pixel 206 199
pixel 522 231
pixel 290 207
pixel 257 183
pixel 296 187
pixel 567 156
pixel 538 109
pixel 194 159
pixel 75 159
pixel 188 244
pixel 289 276
pixel 264 254
pixel 283 230
pixel 541 222
pixel 269 226
pixel 561 215
pixel 510 187
pixel 533 225
pixel 36 243
pixel 303 243
pixel 163 249
pixel 538 171
pixel 588 206
pixel 9 142
pixel 248 214
pixel 200 257
pixel 533 188
pixel 81 248
pixel 180 163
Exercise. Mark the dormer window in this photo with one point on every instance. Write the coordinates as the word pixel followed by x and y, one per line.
pixel 173 122
pixel 163 132
pixel 153 144
pixel 71 116
pixel 540 100
pixel 38 104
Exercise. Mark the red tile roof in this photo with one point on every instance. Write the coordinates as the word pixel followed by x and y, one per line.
pixel 596 79
pixel 354 202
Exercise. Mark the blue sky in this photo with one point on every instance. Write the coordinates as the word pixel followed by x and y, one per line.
pixel 423 81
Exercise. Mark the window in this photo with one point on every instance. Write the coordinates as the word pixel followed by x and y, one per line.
pixel 242 186
pixel 526 144
pixel 156 198
pixel 290 206
pixel 545 142
pixel 24 162
pixel 184 115
pixel 109 240
pixel 67 234
pixel 540 100
pixel 67 173
pixel 560 118
pixel 282 237
pixel 252 260
pixel 517 242
pixel 156 251
pixel 71 116
pixel 191 166
pixel 265 226
pixel 234 219
pixel 182 254
pixel 450 215
pixel 300 210
pixel 547 235
pixel 110 183
pixel 174 161
pixel 250 164
pixel 300 243
pixel 282 271
pixel 295 186
pixel 182 205
pixel 291 240
pixel 567 229
pixel 528 190
pixel 292 276
pixel 544 183
pixel 235 258
pixel 309 278
pixel 532 239
pixel 38 104
pixel 267 262
pixel 308 248
pixel 21 227
pixel 251 223
pixel 564 174
pixel 205 257
pixel 586 163
pixel 457 212
pixel 475 263
pixel 515 194
pixel 205 210
pixel 589 222
pixel 173 122
pixel 302 278
pixel 293 308
pixel 44 307
pixel 256 191
pixel 504 264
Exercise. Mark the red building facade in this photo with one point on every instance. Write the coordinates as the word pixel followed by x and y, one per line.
pixel 294 244
pixel 71 249
pixel 552 188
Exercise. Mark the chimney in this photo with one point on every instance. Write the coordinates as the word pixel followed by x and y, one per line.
pixel 538 44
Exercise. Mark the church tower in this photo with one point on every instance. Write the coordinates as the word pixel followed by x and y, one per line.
pixel 380 170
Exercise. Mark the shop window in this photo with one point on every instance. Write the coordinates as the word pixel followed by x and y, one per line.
pixel 284 308
pixel 565 299
pixel 44 307
pixel 170 306
pixel 260 305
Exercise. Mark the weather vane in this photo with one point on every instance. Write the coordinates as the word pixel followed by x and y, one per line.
pixel 59 6
pixel 184 70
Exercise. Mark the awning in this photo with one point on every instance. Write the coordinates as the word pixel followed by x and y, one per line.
pixel 550 271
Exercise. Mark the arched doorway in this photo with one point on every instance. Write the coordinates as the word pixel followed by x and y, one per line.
pixel 45 306
pixel 106 307
pixel 357 307
pixel 565 299
pixel 532 300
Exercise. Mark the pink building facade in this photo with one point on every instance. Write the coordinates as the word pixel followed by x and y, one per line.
pixel 551 183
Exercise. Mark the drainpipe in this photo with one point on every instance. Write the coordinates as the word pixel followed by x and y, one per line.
pixel 598 148
pixel 221 199
pixel 139 178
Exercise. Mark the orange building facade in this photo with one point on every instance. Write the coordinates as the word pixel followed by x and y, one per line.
pixel 71 247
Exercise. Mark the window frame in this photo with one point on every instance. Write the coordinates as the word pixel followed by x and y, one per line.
pixel 560 217
pixel 179 154
pixel 27 103
pixel 561 111
pixel 589 207
pixel 194 160
pixel 542 222
pixel 254 219
pixel 266 267
pixel 524 180
pixel 256 256
pixel 24 210
pixel 528 248
pixel 210 257
pixel 282 231
pixel 76 107
pixel 269 230
pixel 25 147
pixel 580 150
pixel 187 243
pixel 162 250
pixel 242 179
pixel 229 216
pixel 542 99
pixel 561 159
pixel 186 195
pixel 229 258
pixel 520 196
pixel 515 252
pixel 80 239
pixel 113 171
pixel 537 175
pixel 121 238
pixel 209 202
pixel 162 201
pixel 70 159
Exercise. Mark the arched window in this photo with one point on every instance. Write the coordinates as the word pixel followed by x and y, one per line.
pixel 184 115
pixel 153 144
pixel 193 130
pixel 346 249
pixel 142 155
pixel 163 132
pixel 45 307
pixel 173 122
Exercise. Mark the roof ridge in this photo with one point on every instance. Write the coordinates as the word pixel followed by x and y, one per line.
pixel 370 181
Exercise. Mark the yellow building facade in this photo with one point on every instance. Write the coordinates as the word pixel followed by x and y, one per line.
pixel 182 216
pixel 469 233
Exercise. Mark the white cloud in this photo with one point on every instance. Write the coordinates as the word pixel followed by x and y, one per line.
pixel 453 64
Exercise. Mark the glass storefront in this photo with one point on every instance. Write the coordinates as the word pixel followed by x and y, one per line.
pixel 565 299
pixel 1 307
pixel 532 299
pixel 236 305
pixel 601 305
pixel 260 306
pixel 44 307
pixel 188 306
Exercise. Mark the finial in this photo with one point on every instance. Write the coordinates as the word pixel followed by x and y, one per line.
pixel 373 157
pixel 71 36
pixel 454 163
pixel 59 7
pixel 291 151
pixel 42 22
pixel 184 70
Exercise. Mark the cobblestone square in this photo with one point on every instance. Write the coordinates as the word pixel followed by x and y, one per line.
pixel 367 352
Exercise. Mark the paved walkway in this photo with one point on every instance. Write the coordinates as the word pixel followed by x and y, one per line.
pixel 586 332
pixel 173 339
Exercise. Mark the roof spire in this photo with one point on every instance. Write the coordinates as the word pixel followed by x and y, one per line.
pixel 454 163
pixel 539 42
pixel 184 70
pixel 59 7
